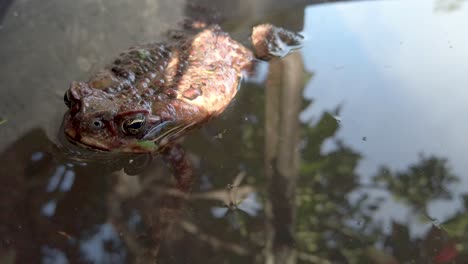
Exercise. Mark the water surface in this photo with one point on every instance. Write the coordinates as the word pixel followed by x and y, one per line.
pixel 353 151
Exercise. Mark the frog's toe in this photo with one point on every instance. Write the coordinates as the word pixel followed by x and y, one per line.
pixel 271 41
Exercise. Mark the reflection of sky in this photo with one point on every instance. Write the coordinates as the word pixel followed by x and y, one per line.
pixel 94 248
pixel 399 68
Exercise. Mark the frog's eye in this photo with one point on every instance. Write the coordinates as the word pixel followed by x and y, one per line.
pixel 67 99
pixel 133 125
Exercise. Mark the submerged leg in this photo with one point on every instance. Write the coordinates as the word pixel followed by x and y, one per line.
pixel 181 167
pixel 168 207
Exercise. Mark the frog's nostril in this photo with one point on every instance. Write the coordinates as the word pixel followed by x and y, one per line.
pixel 98 124
pixel 67 99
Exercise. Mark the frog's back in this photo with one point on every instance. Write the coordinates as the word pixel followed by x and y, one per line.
pixel 200 67
pixel 213 67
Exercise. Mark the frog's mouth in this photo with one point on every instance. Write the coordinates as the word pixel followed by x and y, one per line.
pixel 106 146
pixel 84 142
pixel 154 138
pixel 77 139
pixel 93 144
pixel 74 147
pixel 167 131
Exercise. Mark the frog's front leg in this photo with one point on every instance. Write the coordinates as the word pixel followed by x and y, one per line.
pixel 178 161
pixel 269 41
pixel 168 207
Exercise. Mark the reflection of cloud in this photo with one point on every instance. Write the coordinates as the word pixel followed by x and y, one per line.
pixel 428 56
pixel 94 247
pixel 251 205
pixel 402 80
pixel 219 212
pixel 52 255
pixel 48 209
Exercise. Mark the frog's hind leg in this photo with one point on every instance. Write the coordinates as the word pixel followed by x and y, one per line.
pixel 271 41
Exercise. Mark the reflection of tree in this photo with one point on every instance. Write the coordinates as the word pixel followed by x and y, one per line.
pixel 422 183
pixel 330 232
pixel 283 100
pixel 448 5
pixel 323 215
pixel 328 227
pixel 326 215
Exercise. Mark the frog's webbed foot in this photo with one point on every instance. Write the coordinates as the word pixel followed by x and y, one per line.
pixel 271 41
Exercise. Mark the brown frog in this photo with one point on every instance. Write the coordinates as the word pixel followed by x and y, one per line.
pixel 155 93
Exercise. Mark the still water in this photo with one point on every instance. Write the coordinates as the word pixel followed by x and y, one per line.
pixel 351 151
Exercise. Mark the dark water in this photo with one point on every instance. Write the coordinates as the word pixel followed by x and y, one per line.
pixel 352 151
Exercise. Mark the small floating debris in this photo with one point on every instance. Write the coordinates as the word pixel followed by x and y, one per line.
pixel 63 233
pixel 3 120
pixel 220 134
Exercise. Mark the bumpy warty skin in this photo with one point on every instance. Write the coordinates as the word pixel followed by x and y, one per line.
pixel 157 92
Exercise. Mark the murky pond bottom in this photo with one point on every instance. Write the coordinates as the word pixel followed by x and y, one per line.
pixel 351 151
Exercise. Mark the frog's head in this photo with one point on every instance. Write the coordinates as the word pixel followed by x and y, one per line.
pixel 109 122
